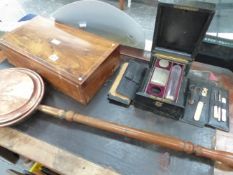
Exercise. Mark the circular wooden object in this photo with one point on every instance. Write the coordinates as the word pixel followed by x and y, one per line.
pixel 21 91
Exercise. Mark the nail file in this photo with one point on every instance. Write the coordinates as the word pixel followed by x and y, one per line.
pixel 200 105
pixel 224 115
pixel 224 112
pixel 219 107
pixel 215 107
pixel 219 114
pixel 198 111
pixel 215 112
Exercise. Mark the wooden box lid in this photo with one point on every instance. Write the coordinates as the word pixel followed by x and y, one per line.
pixel 72 53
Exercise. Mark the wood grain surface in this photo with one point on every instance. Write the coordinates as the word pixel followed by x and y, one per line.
pixel 78 53
pixel 224 141
pixel 52 157
pixel 2 56
pixel 73 61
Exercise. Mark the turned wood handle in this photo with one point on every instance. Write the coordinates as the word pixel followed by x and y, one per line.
pixel 221 156
pixel 154 138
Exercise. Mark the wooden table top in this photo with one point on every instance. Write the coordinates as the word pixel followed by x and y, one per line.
pixel 38 150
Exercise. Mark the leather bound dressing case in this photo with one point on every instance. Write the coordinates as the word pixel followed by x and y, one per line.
pixel 179 29
pixel 74 61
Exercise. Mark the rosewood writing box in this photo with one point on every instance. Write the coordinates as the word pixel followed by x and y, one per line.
pixel 75 62
pixel 179 29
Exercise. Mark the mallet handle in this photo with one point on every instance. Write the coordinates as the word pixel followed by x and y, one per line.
pixel 154 138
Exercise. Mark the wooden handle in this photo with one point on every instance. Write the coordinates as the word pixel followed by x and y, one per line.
pixel 154 138
pixel 122 4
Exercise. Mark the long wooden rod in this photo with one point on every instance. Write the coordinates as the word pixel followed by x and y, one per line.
pixel 153 138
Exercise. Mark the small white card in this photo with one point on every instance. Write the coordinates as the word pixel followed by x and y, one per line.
pixel 53 57
pixel 55 41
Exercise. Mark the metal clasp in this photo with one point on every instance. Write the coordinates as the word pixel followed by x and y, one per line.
pixel 158 104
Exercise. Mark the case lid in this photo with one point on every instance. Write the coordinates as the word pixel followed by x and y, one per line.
pixel 181 28
pixel 71 53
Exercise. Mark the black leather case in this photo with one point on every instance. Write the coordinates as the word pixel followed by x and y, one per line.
pixel 179 29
